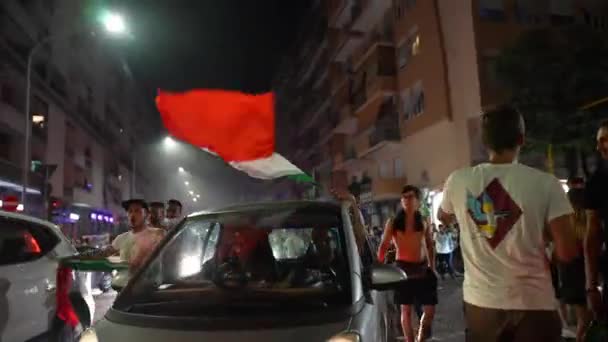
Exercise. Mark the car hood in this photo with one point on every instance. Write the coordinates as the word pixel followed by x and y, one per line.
pixel 108 331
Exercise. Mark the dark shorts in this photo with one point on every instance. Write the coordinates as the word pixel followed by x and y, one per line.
pixel 572 282
pixel 555 281
pixel 420 290
pixel 486 325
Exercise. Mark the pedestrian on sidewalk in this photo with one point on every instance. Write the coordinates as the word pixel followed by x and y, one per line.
pixel 444 244
pixel 410 232
pixel 503 209
pixel 596 209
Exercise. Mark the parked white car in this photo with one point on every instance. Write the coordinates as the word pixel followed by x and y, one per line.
pixel 38 303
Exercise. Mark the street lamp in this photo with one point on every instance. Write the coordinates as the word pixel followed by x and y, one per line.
pixel 169 142
pixel 181 169
pixel 114 24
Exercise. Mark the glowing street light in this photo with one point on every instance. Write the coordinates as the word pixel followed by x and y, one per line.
pixel 186 183
pixel 198 196
pixel 181 169
pixel 114 23
pixel 194 199
pixel 191 192
pixel 169 142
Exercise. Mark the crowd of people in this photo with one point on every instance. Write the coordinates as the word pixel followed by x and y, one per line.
pixel 148 224
pixel 524 243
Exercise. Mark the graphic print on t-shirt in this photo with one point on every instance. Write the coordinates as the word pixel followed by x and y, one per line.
pixel 494 212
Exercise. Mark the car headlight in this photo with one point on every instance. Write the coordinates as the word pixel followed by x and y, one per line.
pixel 347 336
pixel 88 335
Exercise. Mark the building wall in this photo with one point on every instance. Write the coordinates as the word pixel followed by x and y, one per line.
pixel 461 56
pixel 55 149
pixel 427 67
pixel 69 68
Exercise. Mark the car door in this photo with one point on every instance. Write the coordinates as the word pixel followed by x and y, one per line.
pixel 27 279
pixel 375 299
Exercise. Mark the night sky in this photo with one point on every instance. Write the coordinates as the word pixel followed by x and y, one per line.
pixel 229 44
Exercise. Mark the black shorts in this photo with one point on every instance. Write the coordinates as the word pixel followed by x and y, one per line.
pixel 572 282
pixel 422 291
pixel 555 281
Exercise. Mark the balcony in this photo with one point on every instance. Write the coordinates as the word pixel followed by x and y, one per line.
pixel 382 133
pixel 350 153
pixel 343 43
pixel 339 12
pixel 316 63
pixel 374 76
pixel 385 132
pixel 338 76
pixel 380 37
pixel 84 109
pixel 347 121
pixel 58 84
pixel 368 13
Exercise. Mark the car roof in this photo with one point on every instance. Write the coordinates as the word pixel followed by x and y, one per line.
pixel 255 206
pixel 31 219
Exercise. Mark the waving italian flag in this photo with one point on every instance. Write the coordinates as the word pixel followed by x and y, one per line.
pixel 238 127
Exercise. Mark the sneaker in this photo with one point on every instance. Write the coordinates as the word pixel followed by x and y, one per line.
pixel 567 332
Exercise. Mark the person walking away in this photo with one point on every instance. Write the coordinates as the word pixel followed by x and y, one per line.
pixel 409 232
pixel 444 244
pixel 503 209
pixel 556 279
pixel 173 213
pixel 596 212
pixel 157 215
pixel 572 276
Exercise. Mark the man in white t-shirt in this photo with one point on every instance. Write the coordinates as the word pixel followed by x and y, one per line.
pixel 136 245
pixel 503 209
pixel 444 247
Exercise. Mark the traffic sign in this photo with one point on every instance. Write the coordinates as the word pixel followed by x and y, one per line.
pixel 10 203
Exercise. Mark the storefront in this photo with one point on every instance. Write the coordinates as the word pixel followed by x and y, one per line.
pixel 76 221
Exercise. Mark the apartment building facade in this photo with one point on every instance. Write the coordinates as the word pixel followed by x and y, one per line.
pixel 399 87
pixel 84 115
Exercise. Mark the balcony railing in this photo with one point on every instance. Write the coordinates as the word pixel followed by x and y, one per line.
pixel 383 133
pixel 359 97
pixel 350 153
pixel 58 84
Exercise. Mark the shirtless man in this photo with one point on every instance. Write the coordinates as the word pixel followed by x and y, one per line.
pixel 408 230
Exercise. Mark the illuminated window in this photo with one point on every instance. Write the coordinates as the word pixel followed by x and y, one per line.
pixel 40 110
pixel 416 45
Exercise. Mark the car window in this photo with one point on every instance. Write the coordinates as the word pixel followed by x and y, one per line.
pixel 291 259
pixel 22 241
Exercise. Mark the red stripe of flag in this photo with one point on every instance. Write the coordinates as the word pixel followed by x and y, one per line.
pixel 236 126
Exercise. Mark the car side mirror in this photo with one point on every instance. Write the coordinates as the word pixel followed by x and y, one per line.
pixel 120 280
pixel 386 277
